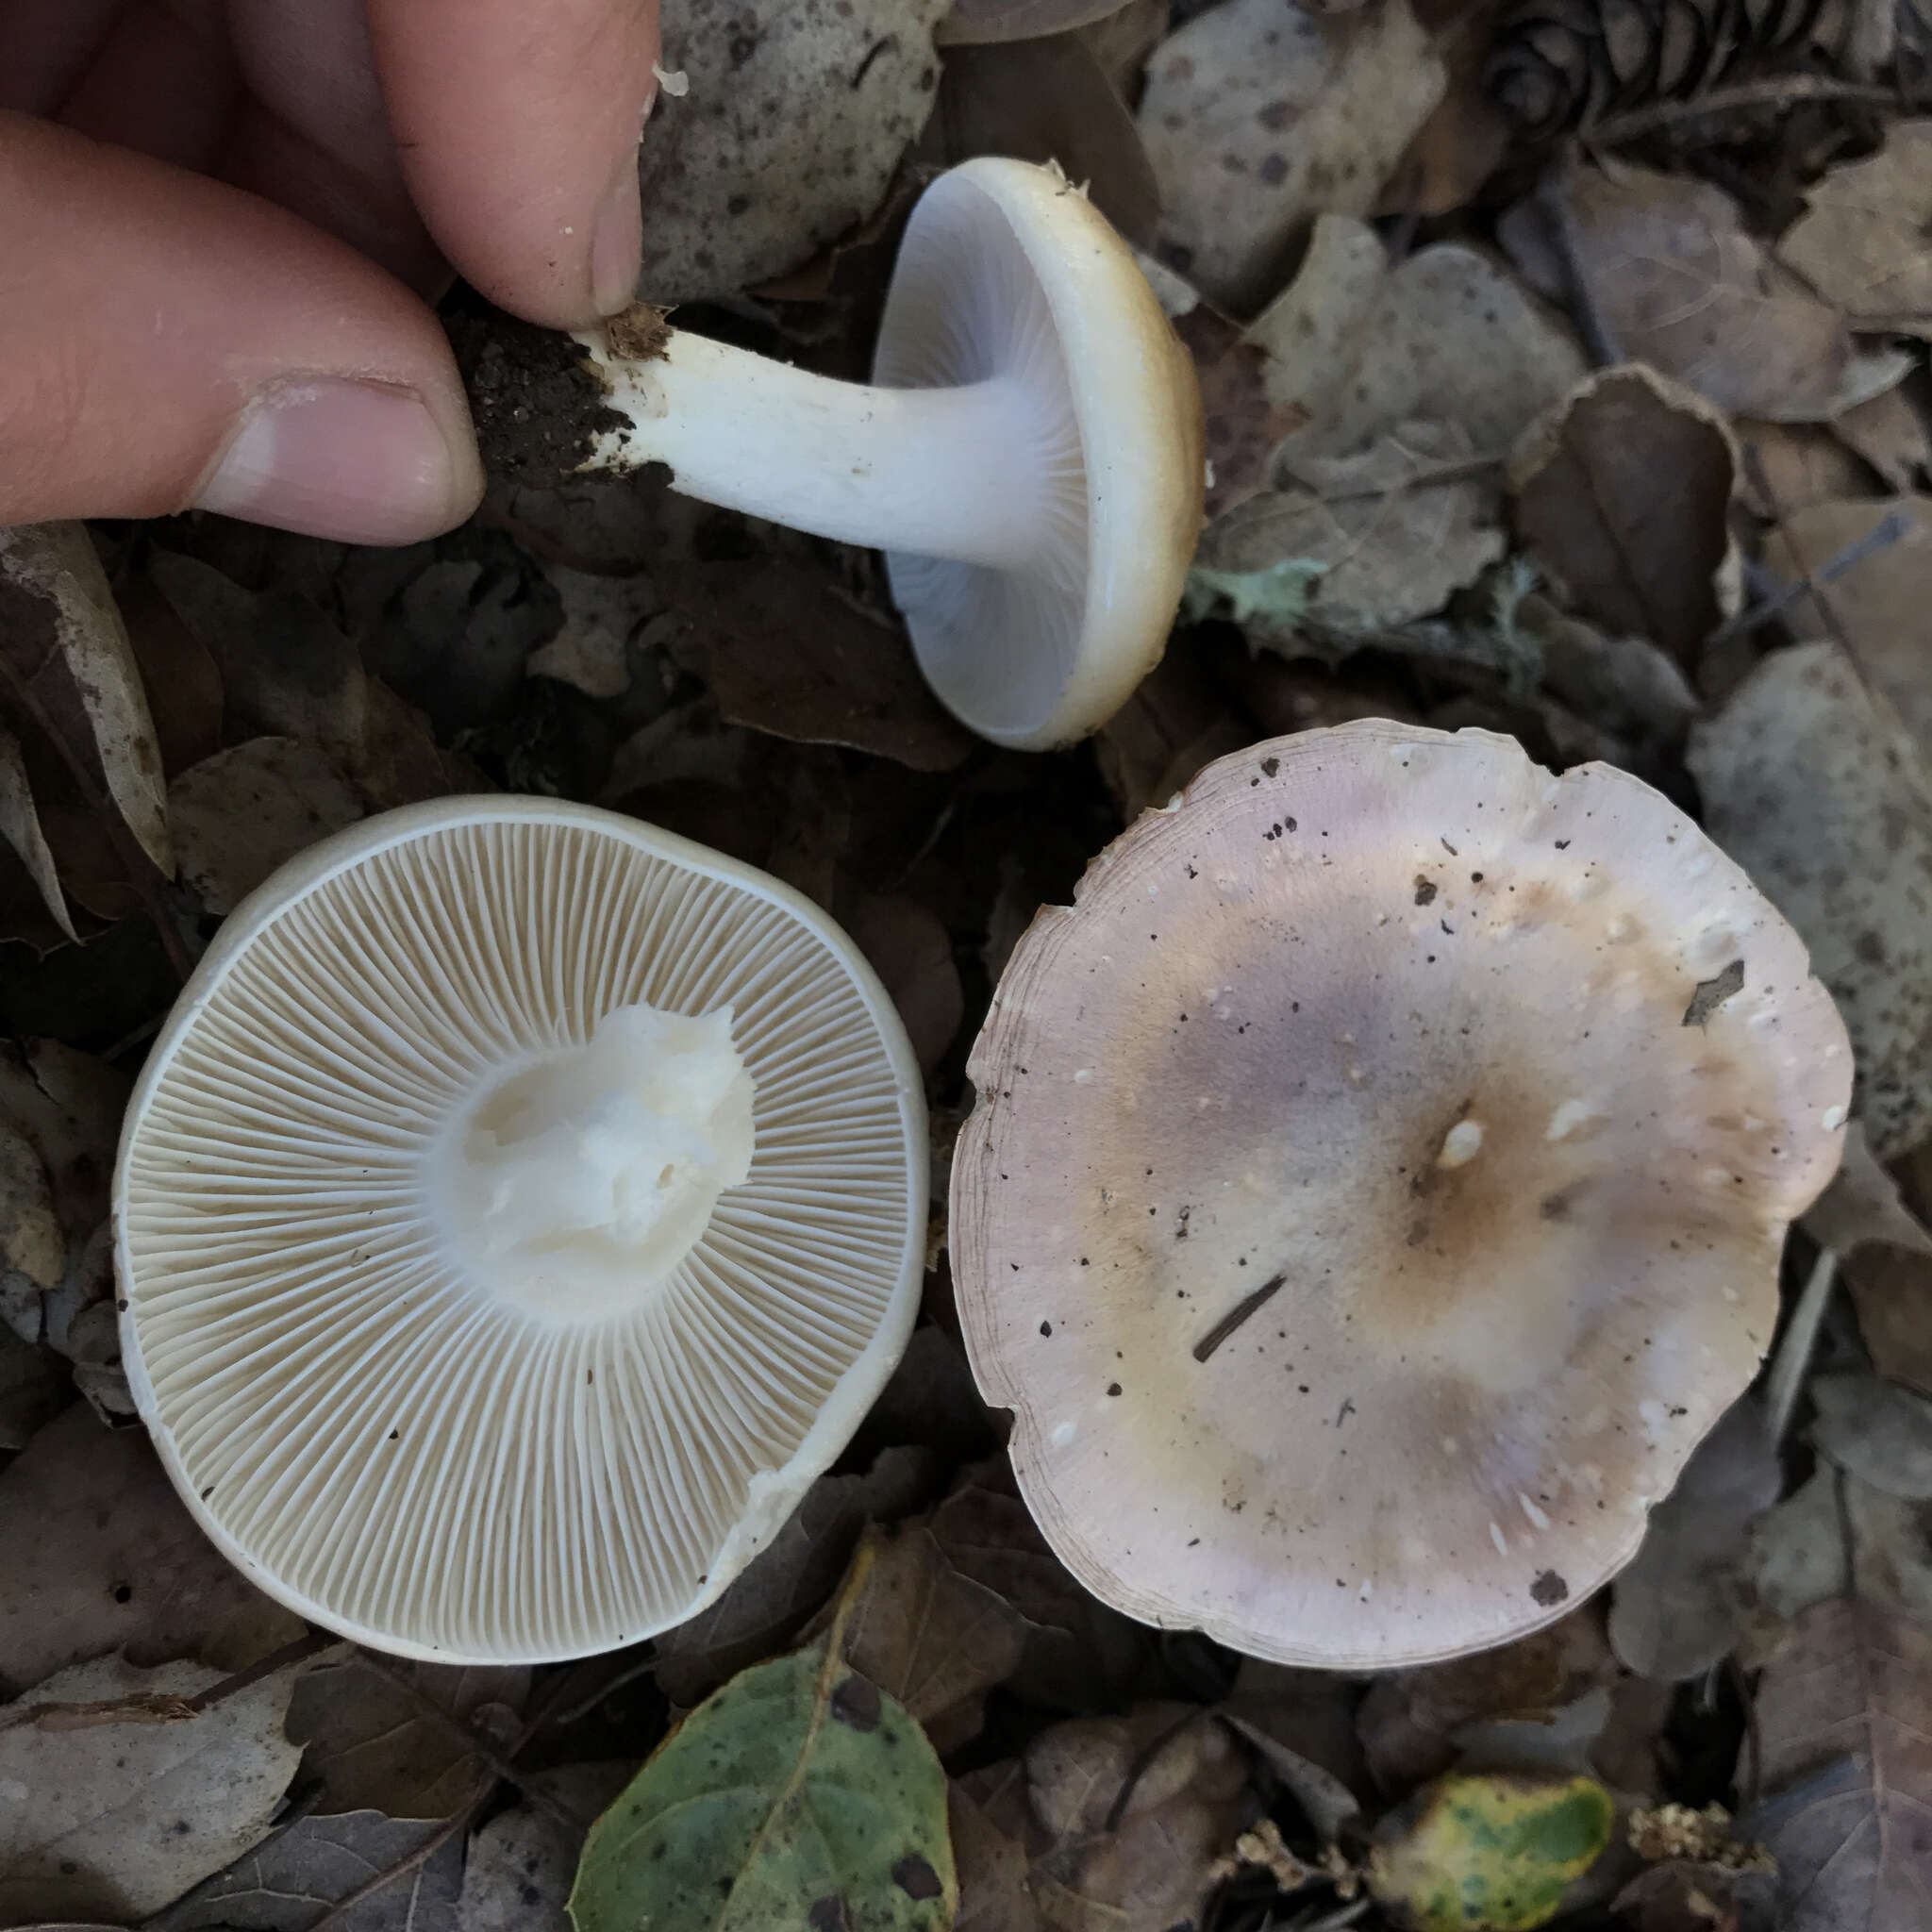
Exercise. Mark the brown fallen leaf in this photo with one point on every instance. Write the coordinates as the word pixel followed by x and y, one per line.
pixel 1693 1895
pixel 1788 467
pixel 1257 118
pixel 1874 1430
pixel 1890 1288
pixel 1177 721
pixel 1049 99
pixel 600 615
pixel 792 124
pixel 1117 1822
pixel 929 1636
pixel 520 1866
pixel 1844 1725
pixel 32 1390
pixel 909 950
pixel 979 22
pixel 1890 434
pixel 1863 1205
pixel 1243 423
pixel 1879 602
pixel 1810 782
pixel 1627 555
pixel 1865 242
pixel 249 810
pixel 784 654
pixel 1678 283
pixel 374 1746
pixel 1622 684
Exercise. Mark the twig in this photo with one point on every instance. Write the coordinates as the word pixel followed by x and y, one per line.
pixel 303 1648
pixel 1881 536
pixel 1144 1763
pixel 1248 1305
pixel 1787 90
pixel 1794 1352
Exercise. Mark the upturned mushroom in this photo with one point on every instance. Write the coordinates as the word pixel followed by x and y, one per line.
pixel 1376 1188
pixel 519 1208
pixel 1028 454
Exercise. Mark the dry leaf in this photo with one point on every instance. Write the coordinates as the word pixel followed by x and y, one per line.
pixel 32 1390
pixel 1890 434
pixel 1177 721
pixel 1258 117
pixel 520 1864
pixel 1311 1713
pixel 241 814
pixel 909 950
pixel 102 1556
pixel 979 22
pixel 1891 1289
pixel 1866 242
pixel 116 1820
pixel 1863 1204
pixel 785 1584
pixel 1242 424
pixel 934 1640
pixel 1624 684
pixel 1039 1843
pixel 1879 601
pixel 1680 285
pixel 1050 100
pixel 600 615
pixel 1790 466
pixel 1628 554
pixel 783 653
pixel 1810 783
pixel 20 826
pixel 795 117
pixel 1448 332
pixel 1687 1895
pixel 1798 1554
pixel 1683 1602
pixel 375 1749
pixel 297 1875
pixel 1876 1431
pixel 66 660
pixel 1844 1724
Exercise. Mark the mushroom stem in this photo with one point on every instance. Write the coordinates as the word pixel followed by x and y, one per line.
pixel 952 473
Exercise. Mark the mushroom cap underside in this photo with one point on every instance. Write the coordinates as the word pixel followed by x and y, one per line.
pixel 1006 268
pixel 1377 1186
pixel 364 1429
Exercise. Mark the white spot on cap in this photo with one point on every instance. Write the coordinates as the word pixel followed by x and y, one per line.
pixel 1461 1144
pixel 1653 1415
pixel 1366 1591
pixel 1082 1074
pixel 1537 1518
pixel 1451 1446
pixel 1567 1118
pixel 1833 1119
pixel 1063 1433
pixel 1501 1541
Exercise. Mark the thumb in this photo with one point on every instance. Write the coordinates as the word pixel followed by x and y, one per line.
pixel 167 341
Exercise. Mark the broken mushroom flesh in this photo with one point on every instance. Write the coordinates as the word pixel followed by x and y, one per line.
pixel 1376 1188
pixel 1028 454
pixel 519 1207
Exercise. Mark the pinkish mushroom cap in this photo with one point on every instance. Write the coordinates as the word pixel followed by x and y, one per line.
pixel 1378 1187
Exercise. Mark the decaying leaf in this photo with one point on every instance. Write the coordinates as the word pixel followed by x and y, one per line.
pixel 1113 1822
pixel 1798 1552
pixel 798 1794
pixel 32 1390
pixel 101 1555
pixel 1487 1854
pixel 1693 1895
pixel 33 1251
pixel 1891 1287
pixel 908 948
pixel 115 1820
pixel 1890 433
pixel 1877 1431
pixel 793 121
pixel 1810 783
pixel 520 1866
pixel 374 1746
pixel 1844 1724
pixel 1865 243
pixel 67 664
pixel 1176 721
pixel 1863 1205
pixel 20 826
pixel 297 1875
pixel 1682 1603
pixel 1679 284
pixel 1257 118
pixel 1624 684
pixel 789 1578
pixel 1358 345
pixel 783 653
pixel 246 811
pixel 600 615
pixel 1879 601
pixel 1630 556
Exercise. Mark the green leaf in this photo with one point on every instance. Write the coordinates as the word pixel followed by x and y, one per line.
pixel 798 1795
pixel 1489 1853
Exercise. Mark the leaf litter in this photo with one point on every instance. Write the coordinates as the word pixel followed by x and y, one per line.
pixel 1623 453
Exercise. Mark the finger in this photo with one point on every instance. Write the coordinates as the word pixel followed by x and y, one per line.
pixel 518 128
pixel 168 340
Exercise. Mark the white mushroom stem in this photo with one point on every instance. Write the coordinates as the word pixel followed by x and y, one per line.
pixel 952 473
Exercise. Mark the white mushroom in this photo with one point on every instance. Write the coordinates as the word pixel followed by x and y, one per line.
pixel 1028 454
pixel 519 1207
pixel 1377 1186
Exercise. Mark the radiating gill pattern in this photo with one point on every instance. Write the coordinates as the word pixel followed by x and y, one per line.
pixel 397 1448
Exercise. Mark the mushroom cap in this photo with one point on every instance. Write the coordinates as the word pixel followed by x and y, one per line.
pixel 361 1420
pixel 1006 269
pixel 1444 1074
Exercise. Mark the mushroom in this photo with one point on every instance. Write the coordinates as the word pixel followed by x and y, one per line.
pixel 1028 454
pixel 1376 1188
pixel 517 1212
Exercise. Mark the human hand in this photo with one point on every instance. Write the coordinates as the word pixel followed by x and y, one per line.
pixel 221 222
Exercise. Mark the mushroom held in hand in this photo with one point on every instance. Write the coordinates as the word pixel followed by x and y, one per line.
pixel 1377 1187
pixel 519 1208
pixel 1028 455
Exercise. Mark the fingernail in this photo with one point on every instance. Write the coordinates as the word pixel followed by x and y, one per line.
pixel 617 240
pixel 361 462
